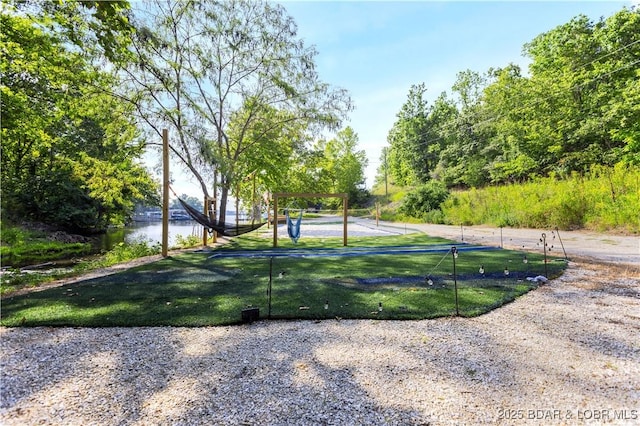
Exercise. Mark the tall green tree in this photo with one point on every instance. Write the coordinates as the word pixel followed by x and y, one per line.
pixel 98 28
pixel 203 65
pixel 506 99
pixel 466 154
pixel 342 165
pixel 272 155
pixel 68 150
pixel 584 74
pixel 414 142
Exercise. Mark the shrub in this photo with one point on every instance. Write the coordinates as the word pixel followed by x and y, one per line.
pixel 129 251
pixel 424 199
pixel 188 241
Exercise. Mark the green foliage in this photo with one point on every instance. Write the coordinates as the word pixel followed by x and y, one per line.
pixel 45 251
pixel 414 140
pixel 98 27
pixel 69 150
pixel 188 241
pixel 603 199
pixel 340 168
pixel 128 251
pixel 423 200
pixel 192 201
pixel 21 247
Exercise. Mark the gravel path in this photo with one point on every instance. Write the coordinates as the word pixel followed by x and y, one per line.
pixel 617 249
pixel 567 353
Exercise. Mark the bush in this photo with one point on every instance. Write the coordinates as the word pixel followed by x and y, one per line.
pixel 423 200
pixel 128 251
pixel 188 241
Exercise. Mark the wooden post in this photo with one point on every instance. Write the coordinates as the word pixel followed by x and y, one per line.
pixel 254 207
pixel 344 220
pixel 214 203
pixel 165 192
pixel 377 214
pixel 275 221
pixel 237 204
pixel 268 210
pixel 205 210
pixel 214 210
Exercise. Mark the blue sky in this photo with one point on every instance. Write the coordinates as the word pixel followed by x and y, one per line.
pixel 378 49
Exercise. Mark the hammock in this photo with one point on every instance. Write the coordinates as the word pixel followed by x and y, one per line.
pixel 220 227
pixel 293 229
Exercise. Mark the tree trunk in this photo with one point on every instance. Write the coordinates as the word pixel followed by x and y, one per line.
pixel 224 195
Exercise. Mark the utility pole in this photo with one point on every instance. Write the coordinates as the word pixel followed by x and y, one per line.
pixel 386 187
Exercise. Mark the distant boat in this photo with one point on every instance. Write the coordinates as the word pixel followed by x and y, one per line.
pixel 156 216
pixel 151 216
pixel 178 215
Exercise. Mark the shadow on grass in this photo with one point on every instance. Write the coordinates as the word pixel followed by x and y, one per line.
pixel 192 290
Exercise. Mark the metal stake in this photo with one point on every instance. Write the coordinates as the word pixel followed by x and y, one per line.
pixel 563 250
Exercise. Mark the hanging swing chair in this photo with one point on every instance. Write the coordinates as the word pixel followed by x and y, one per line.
pixel 293 228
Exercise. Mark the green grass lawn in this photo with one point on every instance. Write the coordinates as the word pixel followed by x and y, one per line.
pixel 192 289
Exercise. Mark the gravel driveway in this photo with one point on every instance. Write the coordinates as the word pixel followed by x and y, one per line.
pixel 567 353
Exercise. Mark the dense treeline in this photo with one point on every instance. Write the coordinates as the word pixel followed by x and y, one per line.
pixel 579 106
pixel 70 150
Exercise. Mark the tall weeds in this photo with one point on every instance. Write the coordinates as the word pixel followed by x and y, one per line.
pixel 605 199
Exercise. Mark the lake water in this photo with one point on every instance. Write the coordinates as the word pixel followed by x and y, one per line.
pixel 150 232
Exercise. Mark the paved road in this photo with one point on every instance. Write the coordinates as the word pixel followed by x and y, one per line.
pixel 583 244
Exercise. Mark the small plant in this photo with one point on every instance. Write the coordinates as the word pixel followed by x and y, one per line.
pixel 188 241
pixel 128 251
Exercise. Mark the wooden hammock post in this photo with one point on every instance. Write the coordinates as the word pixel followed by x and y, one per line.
pixel 214 210
pixel 344 219
pixel 165 192
pixel 275 220
pixel 344 196
pixel 214 203
pixel 205 210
